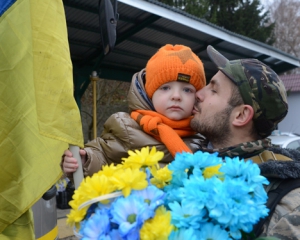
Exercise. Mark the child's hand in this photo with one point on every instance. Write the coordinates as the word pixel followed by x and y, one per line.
pixel 70 164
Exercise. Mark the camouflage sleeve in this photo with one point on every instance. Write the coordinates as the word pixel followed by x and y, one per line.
pixel 285 221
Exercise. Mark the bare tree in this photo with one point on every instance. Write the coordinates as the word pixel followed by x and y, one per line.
pixel 111 98
pixel 286 14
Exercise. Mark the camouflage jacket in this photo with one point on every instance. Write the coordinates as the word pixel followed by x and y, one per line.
pixel 284 223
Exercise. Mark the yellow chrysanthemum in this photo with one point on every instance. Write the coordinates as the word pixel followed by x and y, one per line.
pixel 90 187
pixel 159 227
pixel 212 171
pixel 75 216
pixel 109 170
pixel 161 176
pixel 98 186
pixel 143 158
pixel 124 177
pixel 130 179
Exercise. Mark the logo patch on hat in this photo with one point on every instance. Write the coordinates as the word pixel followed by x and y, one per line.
pixel 183 77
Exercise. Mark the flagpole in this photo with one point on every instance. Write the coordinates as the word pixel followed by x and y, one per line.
pixel 94 78
pixel 78 174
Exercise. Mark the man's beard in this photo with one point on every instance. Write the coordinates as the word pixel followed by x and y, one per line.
pixel 215 128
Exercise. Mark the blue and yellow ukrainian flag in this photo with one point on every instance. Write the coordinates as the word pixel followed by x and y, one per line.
pixel 38 114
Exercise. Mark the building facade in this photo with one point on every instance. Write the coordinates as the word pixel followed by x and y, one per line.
pixel 291 123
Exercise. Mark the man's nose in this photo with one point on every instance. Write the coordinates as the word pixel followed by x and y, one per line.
pixel 200 95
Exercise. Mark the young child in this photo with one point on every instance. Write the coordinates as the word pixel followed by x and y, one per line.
pixel 161 99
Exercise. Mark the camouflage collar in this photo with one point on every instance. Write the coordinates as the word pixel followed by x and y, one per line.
pixel 243 150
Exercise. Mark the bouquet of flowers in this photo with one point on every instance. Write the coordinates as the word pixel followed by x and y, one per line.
pixel 197 196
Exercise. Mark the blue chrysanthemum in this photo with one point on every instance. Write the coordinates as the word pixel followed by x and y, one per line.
pixel 246 170
pixel 174 194
pixel 97 226
pixel 130 213
pixel 153 196
pixel 187 215
pixel 182 162
pixel 177 179
pixel 259 194
pixel 199 159
pixel 228 202
pixel 235 206
pixel 115 235
pixel 230 212
pixel 185 233
pixel 198 190
pixel 204 159
pixel 213 232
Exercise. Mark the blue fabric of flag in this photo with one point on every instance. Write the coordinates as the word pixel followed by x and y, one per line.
pixel 4 5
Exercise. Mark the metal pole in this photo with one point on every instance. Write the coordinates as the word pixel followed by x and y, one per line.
pixel 95 108
pixel 94 78
pixel 78 174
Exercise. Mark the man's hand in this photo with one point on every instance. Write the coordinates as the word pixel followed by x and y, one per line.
pixel 70 164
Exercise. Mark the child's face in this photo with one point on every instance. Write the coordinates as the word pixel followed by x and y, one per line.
pixel 174 100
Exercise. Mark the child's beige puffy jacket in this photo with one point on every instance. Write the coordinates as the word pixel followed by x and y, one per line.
pixel 121 133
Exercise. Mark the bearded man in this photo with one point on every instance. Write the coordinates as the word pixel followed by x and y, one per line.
pixel 236 112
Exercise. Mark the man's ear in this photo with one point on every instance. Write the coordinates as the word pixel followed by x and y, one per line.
pixel 242 115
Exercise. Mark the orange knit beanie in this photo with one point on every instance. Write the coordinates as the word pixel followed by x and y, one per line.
pixel 174 63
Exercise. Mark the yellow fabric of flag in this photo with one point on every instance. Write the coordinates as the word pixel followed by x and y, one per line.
pixel 38 113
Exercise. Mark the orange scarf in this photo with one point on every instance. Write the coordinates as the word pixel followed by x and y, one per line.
pixel 164 129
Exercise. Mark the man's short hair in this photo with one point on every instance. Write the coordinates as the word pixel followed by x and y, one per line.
pixel 237 100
